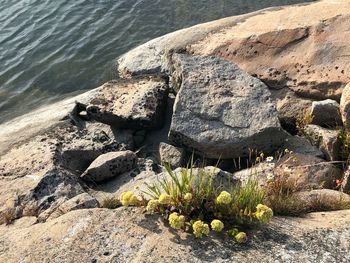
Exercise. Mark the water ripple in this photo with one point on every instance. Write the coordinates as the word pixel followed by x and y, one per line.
pixel 51 48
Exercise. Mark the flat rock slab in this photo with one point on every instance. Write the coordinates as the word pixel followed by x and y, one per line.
pixel 221 111
pixel 109 165
pixel 136 104
pixel 128 235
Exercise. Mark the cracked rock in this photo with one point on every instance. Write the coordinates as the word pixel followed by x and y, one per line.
pixel 221 111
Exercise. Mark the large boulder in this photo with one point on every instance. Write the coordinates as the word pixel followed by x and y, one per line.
pixel 221 111
pixel 307 172
pixel 299 144
pixel 137 104
pixel 109 165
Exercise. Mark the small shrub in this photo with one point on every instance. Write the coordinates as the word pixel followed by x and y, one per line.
pixel 197 202
pixel 111 203
pixel 303 120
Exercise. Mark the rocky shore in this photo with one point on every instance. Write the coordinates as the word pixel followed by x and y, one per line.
pixel 267 81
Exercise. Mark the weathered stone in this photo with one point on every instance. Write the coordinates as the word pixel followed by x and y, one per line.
pixel 345 106
pixel 290 108
pixel 327 140
pixel 325 113
pixel 135 104
pixel 307 172
pixel 302 145
pixel 82 201
pixel 308 44
pixel 324 199
pixel 128 235
pixel 174 156
pixel 109 165
pixel 345 184
pixel 127 181
pixel 80 146
pixel 38 122
pixel 222 112
pixel 261 172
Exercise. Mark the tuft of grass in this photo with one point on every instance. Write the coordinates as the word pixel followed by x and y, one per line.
pixel 111 203
pixel 303 120
pixel 344 141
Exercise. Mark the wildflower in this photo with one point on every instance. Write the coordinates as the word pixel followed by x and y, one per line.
pixel 152 205
pixel 217 225
pixel 286 151
pixel 188 197
pixel 176 221
pixel 164 199
pixel 241 237
pixel 263 213
pixel 270 176
pixel 128 198
pixel 269 159
pixel 224 198
pixel 200 229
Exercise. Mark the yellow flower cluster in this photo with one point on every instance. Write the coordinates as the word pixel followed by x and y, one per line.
pixel 164 199
pixel 263 213
pixel 176 221
pixel 152 205
pixel 241 237
pixel 188 197
pixel 128 198
pixel 224 198
pixel 217 225
pixel 200 229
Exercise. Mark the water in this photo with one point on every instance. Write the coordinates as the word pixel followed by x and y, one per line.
pixel 52 48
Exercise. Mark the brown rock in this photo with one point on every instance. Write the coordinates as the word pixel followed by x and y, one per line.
pixel 136 104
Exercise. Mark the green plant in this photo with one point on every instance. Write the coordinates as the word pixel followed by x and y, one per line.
pixel 111 203
pixel 7 216
pixel 195 199
pixel 344 141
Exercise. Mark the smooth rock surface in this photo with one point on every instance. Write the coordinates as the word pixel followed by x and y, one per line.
pixel 345 106
pixel 327 140
pixel 325 113
pixel 127 235
pixel 222 112
pixel 135 104
pixel 109 165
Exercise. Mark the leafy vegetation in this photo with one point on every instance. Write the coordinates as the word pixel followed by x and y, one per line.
pixel 197 201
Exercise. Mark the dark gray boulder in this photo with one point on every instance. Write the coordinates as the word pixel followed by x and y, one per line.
pixel 221 111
